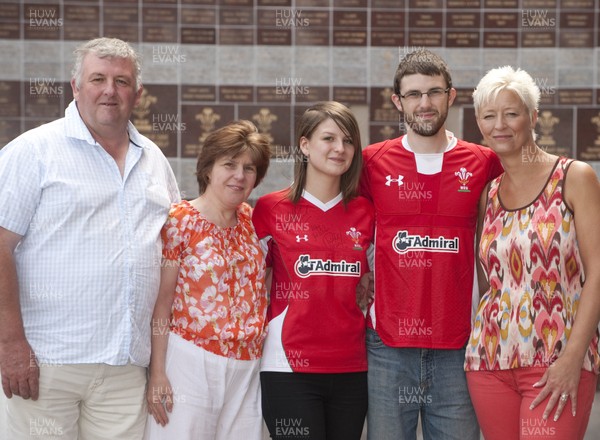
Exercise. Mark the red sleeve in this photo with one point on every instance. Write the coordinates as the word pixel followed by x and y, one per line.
pixel 495 167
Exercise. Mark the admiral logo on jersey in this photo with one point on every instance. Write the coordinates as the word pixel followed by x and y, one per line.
pixel 403 243
pixel 306 266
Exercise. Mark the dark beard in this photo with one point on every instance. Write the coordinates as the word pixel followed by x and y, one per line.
pixel 426 128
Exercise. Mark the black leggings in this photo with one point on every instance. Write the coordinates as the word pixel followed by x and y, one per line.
pixel 307 406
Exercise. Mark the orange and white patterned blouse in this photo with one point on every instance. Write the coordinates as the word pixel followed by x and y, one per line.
pixel 220 300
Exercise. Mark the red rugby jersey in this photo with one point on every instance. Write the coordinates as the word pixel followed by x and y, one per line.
pixel 317 253
pixel 424 241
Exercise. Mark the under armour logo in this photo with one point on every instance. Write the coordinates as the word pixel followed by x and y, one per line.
pixel 300 238
pixel 389 180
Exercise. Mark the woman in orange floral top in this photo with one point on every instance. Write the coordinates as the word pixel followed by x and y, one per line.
pixel 209 320
pixel 532 359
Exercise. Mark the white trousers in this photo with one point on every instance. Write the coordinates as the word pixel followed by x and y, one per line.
pixel 214 397
pixel 82 401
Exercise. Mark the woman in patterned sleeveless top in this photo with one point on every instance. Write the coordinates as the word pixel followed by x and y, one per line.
pixel 533 350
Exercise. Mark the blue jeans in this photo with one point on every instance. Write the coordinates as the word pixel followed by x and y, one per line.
pixel 406 382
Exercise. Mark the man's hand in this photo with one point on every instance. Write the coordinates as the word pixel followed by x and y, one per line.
pixel 19 369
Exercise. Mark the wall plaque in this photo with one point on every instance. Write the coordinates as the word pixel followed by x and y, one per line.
pixel 43 98
pixel 319 3
pixel 313 94
pixel 236 93
pixel 538 4
pixel 349 37
pixel 464 4
pixel 9 12
pixel 81 22
pixel 236 36
pixel 278 37
pixel 462 39
pixel 538 39
pixel 502 20
pixel 198 35
pixel 575 96
pixel 555 130
pixel 504 4
pixel 387 19
pixel 423 38
pixel 200 120
pixel 151 2
pixel 10 31
pixel 10 102
pixel 350 3
pixel 311 18
pixel 581 20
pixel 466 20
pixel 382 108
pixel 274 2
pixel 388 4
pixel 464 97
pixel 160 34
pixel 274 94
pixel 159 15
pixel 470 129
pixel 43 22
pixel 573 38
pixel 425 20
pixel 126 33
pixel 387 37
pixel 271 120
pixel 350 95
pixel 157 117
pixel 577 4
pixel 425 4
pixel 236 16
pixel 121 14
pixel 383 132
pixel 350 19
pixel 199 2
pixel 9 130
pixel 198 93
pixel 588 133
pixel 309 36
pixel 197 16
pixel 500 39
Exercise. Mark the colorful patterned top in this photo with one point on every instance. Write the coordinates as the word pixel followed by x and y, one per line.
pixel 532 262
pixel 220 300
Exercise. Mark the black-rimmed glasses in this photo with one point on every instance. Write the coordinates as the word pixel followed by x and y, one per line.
pixel 416 95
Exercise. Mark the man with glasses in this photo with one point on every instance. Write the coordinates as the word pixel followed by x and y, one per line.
pixel 425 186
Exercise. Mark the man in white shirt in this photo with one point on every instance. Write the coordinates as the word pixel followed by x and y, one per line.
pixel 82 203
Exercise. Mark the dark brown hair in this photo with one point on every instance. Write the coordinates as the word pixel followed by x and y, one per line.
pixel 424 62
pixel 307 125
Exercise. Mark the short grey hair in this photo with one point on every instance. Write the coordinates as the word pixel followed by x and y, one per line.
pixel 106 48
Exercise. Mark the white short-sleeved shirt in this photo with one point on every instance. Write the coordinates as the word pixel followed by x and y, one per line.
pixel 88 263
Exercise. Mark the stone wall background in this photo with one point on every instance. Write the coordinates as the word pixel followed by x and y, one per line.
pixel 206 62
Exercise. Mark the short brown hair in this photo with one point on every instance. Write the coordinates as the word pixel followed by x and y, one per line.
pixel 308 123
pixel 421 61
pixel 235 138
